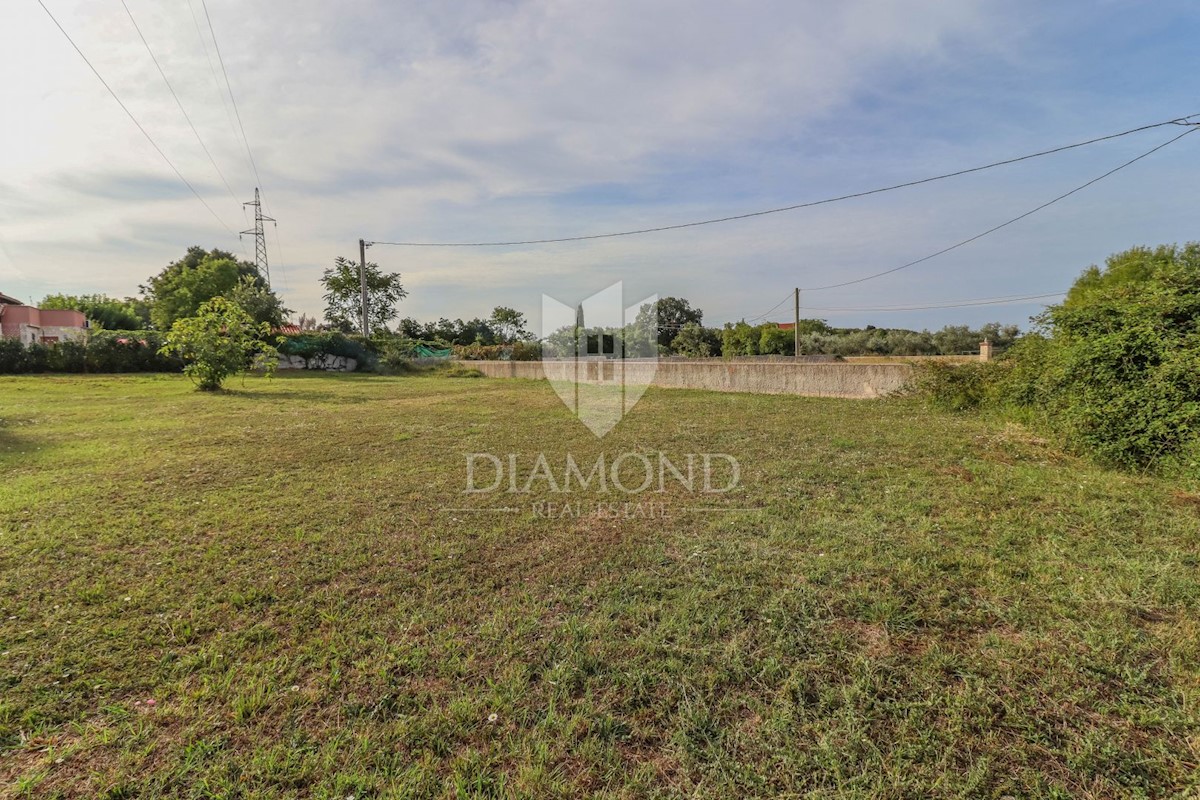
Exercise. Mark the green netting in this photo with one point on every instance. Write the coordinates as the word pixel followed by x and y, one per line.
pixel 421 351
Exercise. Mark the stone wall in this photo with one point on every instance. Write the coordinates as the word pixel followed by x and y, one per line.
pixel 327 363
pixel 858 381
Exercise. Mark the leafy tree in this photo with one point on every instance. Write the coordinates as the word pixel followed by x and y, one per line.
pixel 410 328
pixel 479 331
pixel 258 301
pixel 1136 265
pixel 140 307
pixel 508 324
pixel 668 315
pixel 739 339
pixel 343 297
pixel 695 341
pixel 774 340
pixel 184 285
pixel 219 341
pixel 107 312
pixel 449 332
pixel 814 326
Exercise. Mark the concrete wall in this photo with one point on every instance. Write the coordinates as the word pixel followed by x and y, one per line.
pixel 857 381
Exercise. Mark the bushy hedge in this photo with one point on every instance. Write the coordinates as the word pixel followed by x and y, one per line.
pixel 104 351
pixel 328 343
pixel 1114 371
pixel 129 351
pixel 517 351
pixel 955 387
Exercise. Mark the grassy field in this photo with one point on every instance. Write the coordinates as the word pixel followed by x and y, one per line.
pixel 282 591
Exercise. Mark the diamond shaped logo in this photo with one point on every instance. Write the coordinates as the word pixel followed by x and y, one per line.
pixel 599 354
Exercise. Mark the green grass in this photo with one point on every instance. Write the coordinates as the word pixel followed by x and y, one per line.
pixel 905 605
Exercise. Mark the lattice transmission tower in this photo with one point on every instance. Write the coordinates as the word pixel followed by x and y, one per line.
pixel 260 238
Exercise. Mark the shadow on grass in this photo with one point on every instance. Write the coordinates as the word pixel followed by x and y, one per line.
pixel 13 445
pixel 289 395
pixel 292 388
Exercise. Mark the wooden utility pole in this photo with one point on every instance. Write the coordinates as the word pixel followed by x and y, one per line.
pixel 796 330
pixel 362 283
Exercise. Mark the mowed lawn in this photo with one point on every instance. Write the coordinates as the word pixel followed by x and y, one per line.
pixel 282 591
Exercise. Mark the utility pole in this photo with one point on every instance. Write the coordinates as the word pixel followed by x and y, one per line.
pixel 796 330
pixel 260 238
pixel 362 283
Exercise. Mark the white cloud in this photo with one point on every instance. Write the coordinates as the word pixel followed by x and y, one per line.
pixel 476 120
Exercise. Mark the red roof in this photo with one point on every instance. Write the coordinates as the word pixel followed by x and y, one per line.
pixel 290 329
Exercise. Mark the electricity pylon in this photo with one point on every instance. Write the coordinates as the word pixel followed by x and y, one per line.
pixel 260 238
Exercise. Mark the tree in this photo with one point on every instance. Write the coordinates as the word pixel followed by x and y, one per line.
pixel 740 339
pixel 106 312
pixel 219 341
pixel 774 340
pixel 343 296
pixel 695 341
pixel 258 301
pixel 508 324
pixel 671 314
pixel 1134 266
pixel 814 326
pixel 184 285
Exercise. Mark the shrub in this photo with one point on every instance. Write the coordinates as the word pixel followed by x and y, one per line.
pixel 12 356
pixel 221 340
pixel 1114 371
pixel 517 351
pixel 129 351
pixel 104 351
pixel 1118 372
pixel 17 358
pixel 329 343
pixel 955 387
pixel 67 356
pixel 458 371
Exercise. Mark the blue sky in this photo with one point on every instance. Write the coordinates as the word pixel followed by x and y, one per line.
pixel 515 120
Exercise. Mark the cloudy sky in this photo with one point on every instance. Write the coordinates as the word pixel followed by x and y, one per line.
pixel 504 119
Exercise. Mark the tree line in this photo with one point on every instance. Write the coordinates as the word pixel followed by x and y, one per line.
pixel 182 286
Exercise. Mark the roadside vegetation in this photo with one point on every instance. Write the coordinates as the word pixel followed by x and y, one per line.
pixel 1112 372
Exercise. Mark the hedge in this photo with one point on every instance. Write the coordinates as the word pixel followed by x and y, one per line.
pixel 104 351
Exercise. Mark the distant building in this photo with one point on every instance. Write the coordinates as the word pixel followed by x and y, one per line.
pixel 29 324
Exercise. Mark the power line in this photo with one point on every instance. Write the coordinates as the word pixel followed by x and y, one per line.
pixel 178 102
pixel 134 119
pixel 1032 211
pixel 810 204
pixel 986 301
pixel 241 127
pixel 787 297
pixel 212 68
pixel 966 242
pixel 229 87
